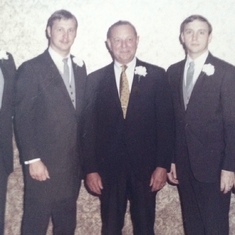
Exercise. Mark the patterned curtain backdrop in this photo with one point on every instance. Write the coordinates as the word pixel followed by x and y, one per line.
pixel 22 31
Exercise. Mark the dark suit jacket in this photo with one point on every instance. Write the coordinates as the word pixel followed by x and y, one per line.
pixel 207 127
pixel 6 113
pixel 144 139
pixel 47 126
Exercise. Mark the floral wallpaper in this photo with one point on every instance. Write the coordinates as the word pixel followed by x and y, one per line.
pixel 22 31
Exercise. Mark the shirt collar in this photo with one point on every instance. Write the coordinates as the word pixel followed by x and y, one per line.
pixel 130 65
pixel 56 57
pixel 199 61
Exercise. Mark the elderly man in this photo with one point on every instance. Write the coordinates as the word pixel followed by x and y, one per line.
pixel 128 134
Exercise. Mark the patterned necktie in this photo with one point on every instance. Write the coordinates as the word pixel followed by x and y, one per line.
pixel 124 91
pixel 66 70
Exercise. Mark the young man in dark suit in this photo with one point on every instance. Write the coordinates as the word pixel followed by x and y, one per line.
pixel 203 90
pixel 128 134
pixel 7 73
pixel 49 99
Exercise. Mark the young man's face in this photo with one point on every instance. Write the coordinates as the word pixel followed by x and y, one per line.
pixel 123 43
pixel 62 35
pixel 196 38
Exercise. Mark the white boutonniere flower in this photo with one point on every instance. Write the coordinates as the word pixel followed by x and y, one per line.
pixel 141 71
pixel 208 69
pixel 3 55
pixel 78 61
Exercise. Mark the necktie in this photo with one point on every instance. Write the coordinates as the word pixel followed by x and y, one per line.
pixel 189 83
pixel 124 91
pixel 66 70
pixel 189 76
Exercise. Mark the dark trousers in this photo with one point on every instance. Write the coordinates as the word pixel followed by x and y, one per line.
pixel 36 217
pixel 205 209
pixel 114 199
pixel 3 190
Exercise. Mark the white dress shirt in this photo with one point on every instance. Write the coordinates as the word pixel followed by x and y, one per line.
pixel 58 60
pixel 198 65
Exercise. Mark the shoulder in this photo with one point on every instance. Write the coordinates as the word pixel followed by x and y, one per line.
pixel 150 68
pixel 221 68
pixel 41 59
pixel 34 66
pixel 10 56
pixel 78 62
pixel 102 72
pixel 8 62
pixel 219 63
pixel 176 66
pixel 175 71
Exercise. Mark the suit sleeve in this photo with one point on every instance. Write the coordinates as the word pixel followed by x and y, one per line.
pixel 169 75
pixel 228 106
pixel 89 127
pixel 165 123
pixel 26 92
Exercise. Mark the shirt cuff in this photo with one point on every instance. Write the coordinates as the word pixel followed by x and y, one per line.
pixel 32 161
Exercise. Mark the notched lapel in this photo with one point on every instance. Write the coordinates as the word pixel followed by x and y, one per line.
pixel 7 67
pixel 138 80
pixel 52 76
pixel 79 80
pixel 198 87
pixel 135 89
pixel 180 80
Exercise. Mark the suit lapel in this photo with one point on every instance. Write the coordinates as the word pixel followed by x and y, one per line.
pixel 79 81
pixel 6 66
pixel 199 83
pixel 8 72
pixel 52 74
pixel 111 86
pixel 136 84
pixel 179 84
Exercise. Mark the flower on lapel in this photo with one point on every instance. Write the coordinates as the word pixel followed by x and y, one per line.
pixel 78 61
pixel 208 69
pixel 141 71
pixel 3 55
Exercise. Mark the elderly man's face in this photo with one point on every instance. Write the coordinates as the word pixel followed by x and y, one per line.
pixel 62 35
pixel 123 43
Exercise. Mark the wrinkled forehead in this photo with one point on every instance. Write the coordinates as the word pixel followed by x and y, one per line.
pixel 121 30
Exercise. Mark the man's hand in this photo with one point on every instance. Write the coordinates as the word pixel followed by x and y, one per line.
pixel 38 171
pixel 226 181
pixel 158 179
pixel 172 176
pixel 94 182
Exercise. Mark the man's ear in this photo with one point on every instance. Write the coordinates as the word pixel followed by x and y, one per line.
pixel 182 38
pixel 137 40
pixel 49 31
pixel 210 38
pixel 108 44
